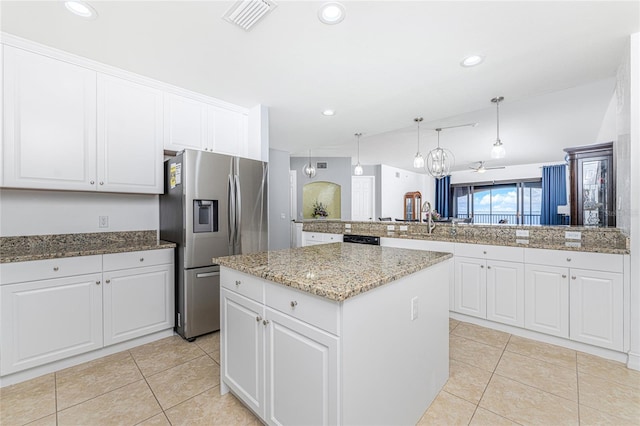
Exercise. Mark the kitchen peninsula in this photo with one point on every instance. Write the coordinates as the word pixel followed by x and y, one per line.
pixel 336 333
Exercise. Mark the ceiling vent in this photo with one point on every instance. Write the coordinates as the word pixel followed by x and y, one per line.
pixel 247 13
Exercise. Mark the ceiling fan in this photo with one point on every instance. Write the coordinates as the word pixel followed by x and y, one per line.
pixel 481 167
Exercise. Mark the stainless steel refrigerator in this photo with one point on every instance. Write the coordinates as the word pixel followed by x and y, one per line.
pixel 213 205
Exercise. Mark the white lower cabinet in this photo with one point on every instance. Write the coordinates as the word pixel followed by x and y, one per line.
pixel 139 300
pixel 44 318
pixel 486 286
pixel 270 359
pixel 547 299
pixel 301 366
pixel 314 238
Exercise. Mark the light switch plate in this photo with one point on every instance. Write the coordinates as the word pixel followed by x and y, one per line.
pixel 404 227
pixel 391 227
pixel 522 233
pixel 574 244
pixel 573 235
pixel 347 226
pixel 519 241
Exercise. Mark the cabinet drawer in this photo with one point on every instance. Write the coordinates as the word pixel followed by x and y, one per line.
pixel 49 268
pixel 483 251
pixel 572 259
pixel 244 284
pixel 136 259
pixel 314 310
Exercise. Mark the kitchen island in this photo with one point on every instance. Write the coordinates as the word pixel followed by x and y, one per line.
pixel 336 333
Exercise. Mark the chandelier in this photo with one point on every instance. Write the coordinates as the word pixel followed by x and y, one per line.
pixel 498 150
pixel 308 170
pixel 418 160
pixel 439 160
pixel 358 169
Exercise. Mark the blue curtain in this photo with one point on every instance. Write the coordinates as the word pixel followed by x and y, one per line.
pixel 443 196
pixel 554 194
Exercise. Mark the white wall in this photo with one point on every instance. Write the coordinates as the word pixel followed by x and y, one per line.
pixel 634 353
pixel 526 171
pixel 394 183
pixel 279 208
pixel 29 212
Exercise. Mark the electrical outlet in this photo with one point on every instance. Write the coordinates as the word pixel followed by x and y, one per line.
pixel 414 308
pixel 404 227
pixel 391 227
pixel 574 244
pixel 519 241
pixel 347 226
pixel 573 235
pixel 103 221
pixel 522 233
pixel 283 216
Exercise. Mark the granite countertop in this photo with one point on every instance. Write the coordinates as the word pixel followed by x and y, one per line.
pixel 39 247
pixel 335 271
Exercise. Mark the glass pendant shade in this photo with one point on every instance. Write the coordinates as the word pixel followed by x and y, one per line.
pixel 308 170
pixel 498 150
pixel 418 160
pixel 358 171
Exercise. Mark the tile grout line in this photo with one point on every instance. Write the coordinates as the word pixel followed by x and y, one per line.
pixel 55 392
pixel 149 386
pixel 578 387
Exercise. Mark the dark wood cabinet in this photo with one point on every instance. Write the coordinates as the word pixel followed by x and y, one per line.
pixel 592 179
pixel 412 206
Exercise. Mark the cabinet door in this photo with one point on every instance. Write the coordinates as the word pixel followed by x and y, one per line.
pixel 137 302
pixel 596 308
pixel 505 292
pixel 546 293
pixel 470 287
pixel 48 320
pixel 302 366
pixel 185 123
pixel 49 123
pixel 129 137
pixel 227 131
pixel 242 348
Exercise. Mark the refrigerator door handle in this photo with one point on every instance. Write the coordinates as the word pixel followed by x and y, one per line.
pixel 207 274
pixel 231 213
pixel 238 223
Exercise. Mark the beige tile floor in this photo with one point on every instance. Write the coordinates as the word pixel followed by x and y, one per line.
pixel 495 378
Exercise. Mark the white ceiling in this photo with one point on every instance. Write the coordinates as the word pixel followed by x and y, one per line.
pixel 386 63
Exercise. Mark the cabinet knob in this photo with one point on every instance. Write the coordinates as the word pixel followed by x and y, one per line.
pixel 568 259
pixel 92 182
pixel 258 319
pixel 142 259
pixel 573 277
pixel 107 281
pixel 294 303
pixel 488 267
pixel 238 282
pixel 564 276
pixel 482 266
pixel 101 183
pixel 55 268
pixel 97 282
pixel 265 322
pixel 484 252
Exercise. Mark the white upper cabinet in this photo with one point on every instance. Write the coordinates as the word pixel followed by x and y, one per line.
pixel 49 123
pixel 129 137
pixel 185 123
pixel 228 131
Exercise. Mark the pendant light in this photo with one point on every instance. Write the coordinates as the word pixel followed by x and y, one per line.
pixel 439 160
pixel 358 169
pixel 308 169
pixel 418 160
pixel 498 150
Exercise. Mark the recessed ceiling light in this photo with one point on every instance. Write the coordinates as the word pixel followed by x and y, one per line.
pixel 328 112
pixel 81 8
pixel 472 61
pixel 331 13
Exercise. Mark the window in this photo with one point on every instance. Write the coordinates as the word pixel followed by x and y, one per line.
pixel 513 202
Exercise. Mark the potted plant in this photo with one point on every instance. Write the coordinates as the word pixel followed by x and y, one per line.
pixel 319 210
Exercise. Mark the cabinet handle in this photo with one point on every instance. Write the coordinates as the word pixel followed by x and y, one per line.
pixel 107 281
pixel 142 259
pixel 568 259
pixel 564 276
pixel 97 282
pixel 258 319
pixel 238 282
pixel 265 322
pixel 573 277
pixel 101 183
pixel 294 303
pixel 55 268
pixel 92 182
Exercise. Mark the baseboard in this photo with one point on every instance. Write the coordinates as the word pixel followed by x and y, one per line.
pixel 634 361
